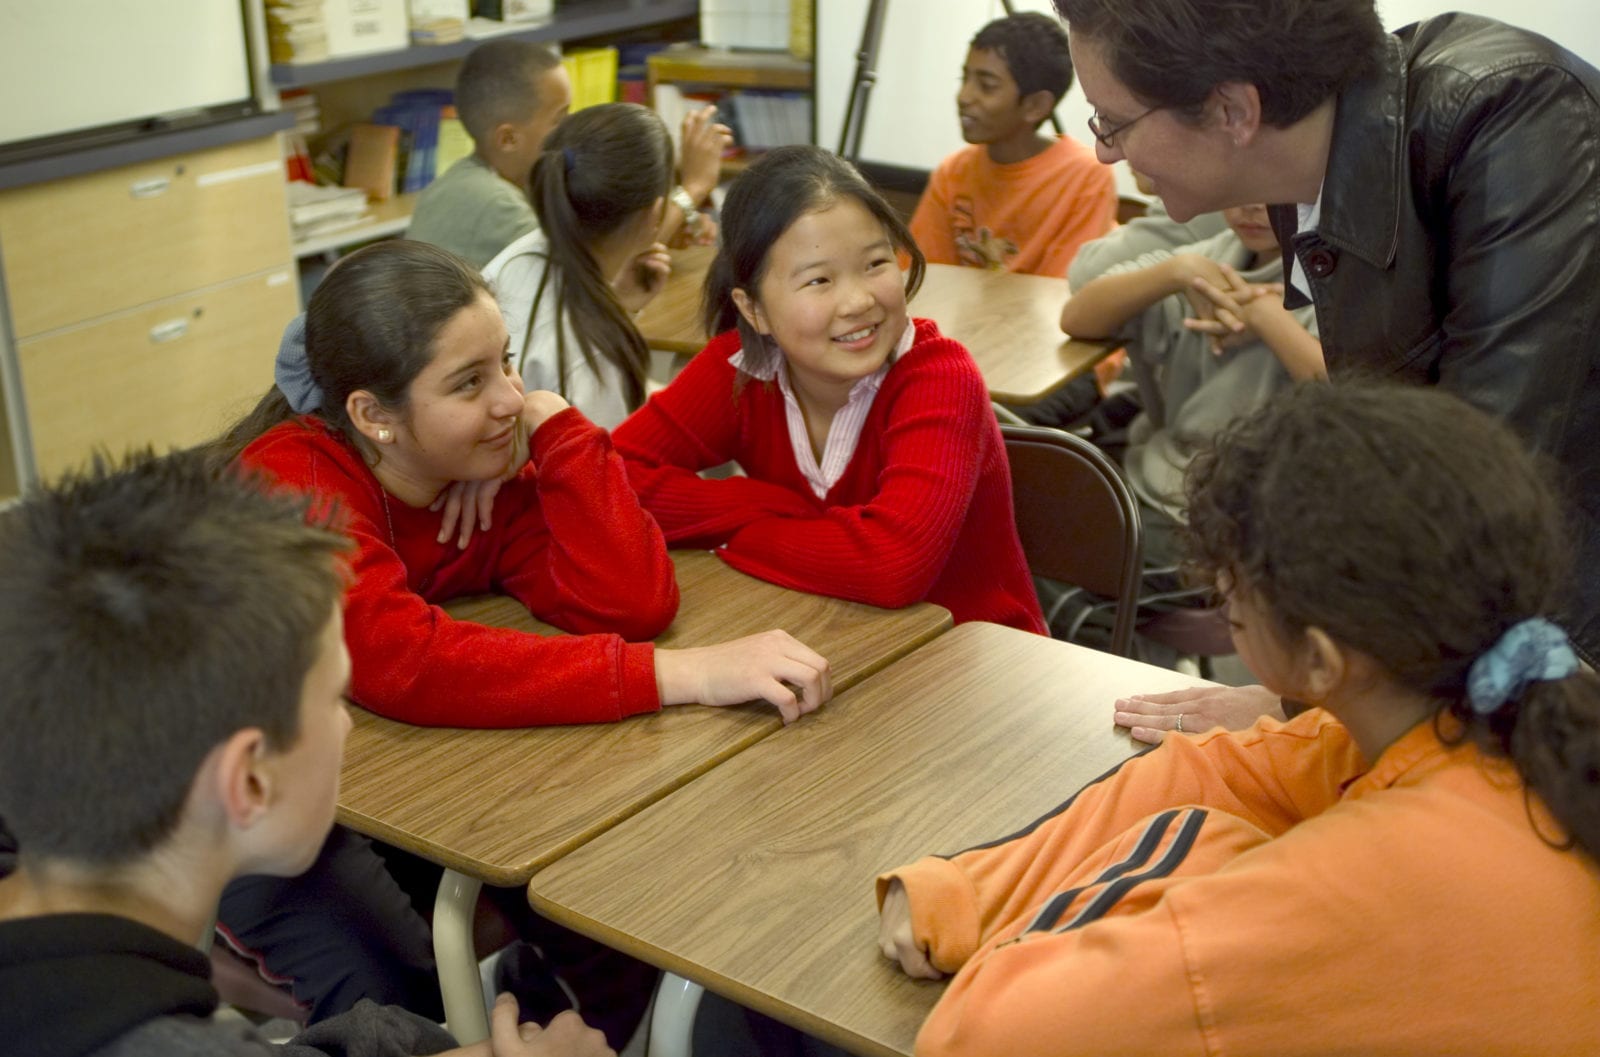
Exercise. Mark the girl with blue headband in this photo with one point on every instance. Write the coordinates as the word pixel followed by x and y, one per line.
pixel 1408 866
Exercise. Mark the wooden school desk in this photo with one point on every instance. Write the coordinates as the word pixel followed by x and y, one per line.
pixel 756 880
pixel 1009 322
pixel 495 805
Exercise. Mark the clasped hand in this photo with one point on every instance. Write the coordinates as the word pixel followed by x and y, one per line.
pixel 1227 308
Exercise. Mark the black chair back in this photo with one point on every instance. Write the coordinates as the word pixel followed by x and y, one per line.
pixel 1077 519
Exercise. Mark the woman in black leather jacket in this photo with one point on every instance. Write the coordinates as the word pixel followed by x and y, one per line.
pixel 1439 190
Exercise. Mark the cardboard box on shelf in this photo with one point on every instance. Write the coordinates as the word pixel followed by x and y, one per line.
pixel 514 10
pixel 359 27
pixel 759 24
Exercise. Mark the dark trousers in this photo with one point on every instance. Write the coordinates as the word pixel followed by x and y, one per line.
pixel 726 1029
pixel 353 926
pixel 340 932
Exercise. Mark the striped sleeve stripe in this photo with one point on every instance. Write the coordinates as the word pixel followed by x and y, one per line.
pixel 1051 912
pixel 1097 908
pixel 1052 813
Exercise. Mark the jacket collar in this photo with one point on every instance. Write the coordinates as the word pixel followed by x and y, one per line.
pixel 1361 189
pixel 76 982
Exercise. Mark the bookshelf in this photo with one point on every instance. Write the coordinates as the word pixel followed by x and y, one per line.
pixel 350 89
pixel 697 68
pixel 390 217
pixel 573 20
pixel 722 68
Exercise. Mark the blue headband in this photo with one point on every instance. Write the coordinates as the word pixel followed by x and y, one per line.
pixel 1533 651
pixel 292 370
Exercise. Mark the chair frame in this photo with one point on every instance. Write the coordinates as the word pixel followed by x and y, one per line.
pixel 1102 552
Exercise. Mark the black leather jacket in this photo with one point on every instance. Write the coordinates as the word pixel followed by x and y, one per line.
pixel 1459 244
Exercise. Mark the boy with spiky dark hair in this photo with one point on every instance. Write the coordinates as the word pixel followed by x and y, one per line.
pixel 172 696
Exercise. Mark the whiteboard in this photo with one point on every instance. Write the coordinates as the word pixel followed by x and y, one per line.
pixel 911 120
pixel 69 67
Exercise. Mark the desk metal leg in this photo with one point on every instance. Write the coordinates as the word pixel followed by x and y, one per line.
pixel 672 1021
pixel 457 959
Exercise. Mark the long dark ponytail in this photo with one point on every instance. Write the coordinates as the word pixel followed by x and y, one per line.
pixel 599 169
pixel 1416 530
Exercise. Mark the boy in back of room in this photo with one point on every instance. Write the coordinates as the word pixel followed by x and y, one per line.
pixel 510 94
pixel 1014 198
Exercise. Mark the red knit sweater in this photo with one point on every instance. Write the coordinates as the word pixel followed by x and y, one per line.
pixel 569 541
pixel 923 510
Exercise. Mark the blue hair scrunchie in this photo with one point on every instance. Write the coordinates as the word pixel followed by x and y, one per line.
pixel 292 370
pixel 1532 651
pixel 569 160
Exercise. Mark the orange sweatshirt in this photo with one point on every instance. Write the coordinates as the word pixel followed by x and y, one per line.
pixel 1030 216
pixel 1265 892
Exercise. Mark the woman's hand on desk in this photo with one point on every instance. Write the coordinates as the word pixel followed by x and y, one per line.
pixel 895 938
pixel 773 666
pixel 1149 717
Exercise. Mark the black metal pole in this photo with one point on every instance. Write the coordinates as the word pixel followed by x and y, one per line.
pixel 855 114
pixel 866 75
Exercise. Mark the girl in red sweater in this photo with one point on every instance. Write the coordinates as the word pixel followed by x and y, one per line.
pixel 397 384
pixel 875 469
pixel 399 387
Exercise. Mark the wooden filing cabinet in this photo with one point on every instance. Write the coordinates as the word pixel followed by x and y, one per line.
pixel 146 302
pixel 171 373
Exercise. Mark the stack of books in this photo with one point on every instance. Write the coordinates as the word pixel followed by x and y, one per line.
pixel 760 120
pixel 307 123
pixel 296 31
pixel 763 120
pixel 317 210
pixel 417 114
pixel 437 21
pixel 410 140
pixel 301 31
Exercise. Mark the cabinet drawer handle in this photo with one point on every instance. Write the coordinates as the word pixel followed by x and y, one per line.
pixel 171 330
pixel 150 188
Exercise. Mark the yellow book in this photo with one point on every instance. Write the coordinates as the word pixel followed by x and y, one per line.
pixel 454 143
pixel 593 72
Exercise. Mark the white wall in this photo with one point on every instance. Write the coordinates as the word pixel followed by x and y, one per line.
pixel 911 120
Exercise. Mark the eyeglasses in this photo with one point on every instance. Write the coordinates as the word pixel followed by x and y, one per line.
pixel 1108 136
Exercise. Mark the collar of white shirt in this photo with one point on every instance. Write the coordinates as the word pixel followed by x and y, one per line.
pixel 844 433
pixel 1307 217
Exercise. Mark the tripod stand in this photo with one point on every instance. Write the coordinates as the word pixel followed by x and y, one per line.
pixel 855 112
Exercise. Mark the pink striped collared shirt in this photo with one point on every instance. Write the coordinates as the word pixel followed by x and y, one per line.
pixel 845 431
